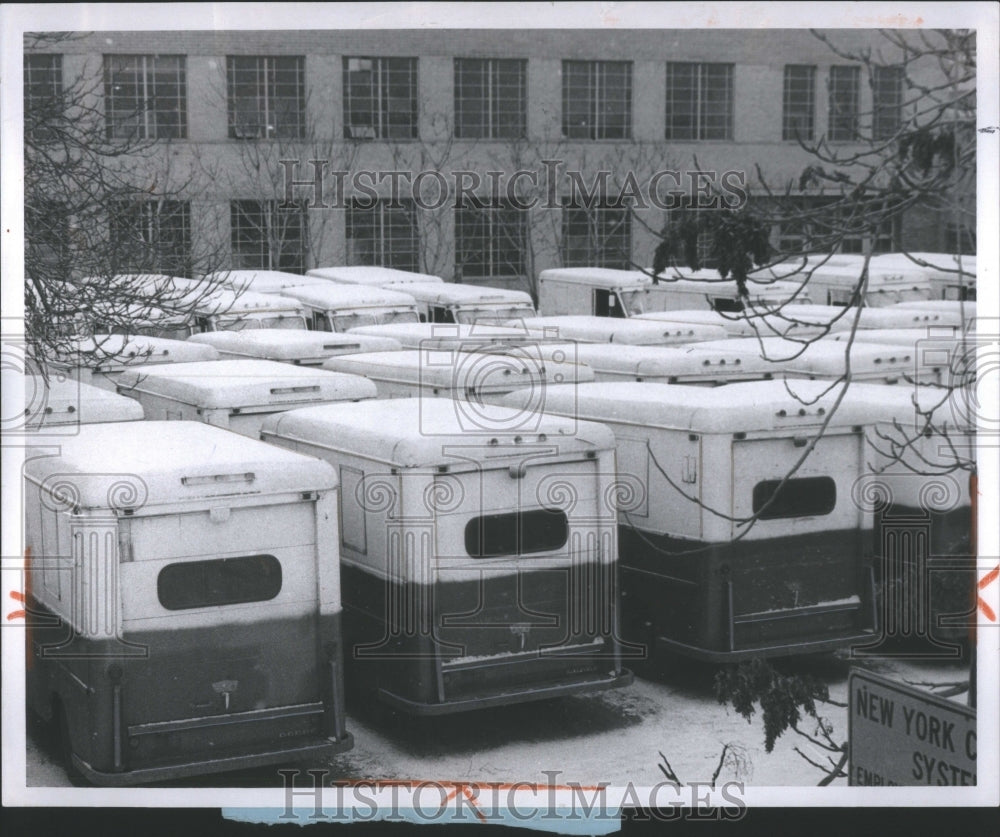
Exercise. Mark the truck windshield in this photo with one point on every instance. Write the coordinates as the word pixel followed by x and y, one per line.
pixel 285 322
pixel 632 302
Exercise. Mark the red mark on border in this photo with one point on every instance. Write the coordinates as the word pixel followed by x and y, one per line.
pixel 16 614
pixel 986 581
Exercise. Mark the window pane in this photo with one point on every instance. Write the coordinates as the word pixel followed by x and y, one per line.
pixel 380 98
pixel 844 95
pixel 597 99
pixel 383 235
pixel 490 101
pixel 802 497
pixel 265 237
pixel 145 96
pixel 597 237
pixel 516 533
pixel 699 101
pixel 797 114
pixel 222 581
pixel 489 241
pixel 887 101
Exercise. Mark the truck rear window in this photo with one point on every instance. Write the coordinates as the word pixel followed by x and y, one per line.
pixel 802 497
pixel 516 533
pixel 220 581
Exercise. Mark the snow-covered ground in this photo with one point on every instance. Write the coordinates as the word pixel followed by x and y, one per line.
pixel 614 737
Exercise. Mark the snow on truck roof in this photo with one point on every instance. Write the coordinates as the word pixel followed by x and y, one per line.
pixel 373 276
pixel 154 463
pixel 458 370
pixel 614 330
pixel 446 293
pixel 61 402
pixel 261 281
pixel 228 384
pixel 415 335
pixel 112 351
pixel 820 357
pixel 285 345
pixel 393 432
pixel 330 296
pixel 686 361
pixel 230 301
pixel 734 408
pixel 602 277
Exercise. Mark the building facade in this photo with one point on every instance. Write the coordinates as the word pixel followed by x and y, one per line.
pixel 475 155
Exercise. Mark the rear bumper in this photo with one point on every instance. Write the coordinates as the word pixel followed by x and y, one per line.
pixel 314 748
pixel 535 691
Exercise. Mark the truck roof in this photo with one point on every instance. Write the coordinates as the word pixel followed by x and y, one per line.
pixel 155 463
pixel 687 361
pixel 747 323
pixel 394 432
pixel 289 346
pixel 230 301
pixel 735 408
pixel 602 277
pixel 966 308
pixel 261 281
pixel 948 409
pixel 616 330
pixel 822 357
pixel 372 276
pixel 449 369
pixel 416 335
pixel 116 351
pixel 61 402
pixel 910 338
pixel 330 296
pixel 445 293
pixel 229 384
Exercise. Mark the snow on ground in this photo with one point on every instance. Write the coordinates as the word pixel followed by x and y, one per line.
pixel 614 737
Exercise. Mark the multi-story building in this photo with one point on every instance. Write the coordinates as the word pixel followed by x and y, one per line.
pixel 333 119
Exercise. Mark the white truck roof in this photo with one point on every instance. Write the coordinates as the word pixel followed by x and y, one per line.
pixel 261 281
pixel 229 384
pixel 229 301
pixel 174 461
pixel 903 337
pixel 390 431
pixel 932 262
pixel 116 351
pixel 599 277
pixel 446 335
pixel 686 362
pixel 619 330
pixel 748 323
pixel 290 346
pixel 61 402
pixel 735 408
pixel 331 297
pixel 451 293
pixel 821 357
pixel 455 370
pixel 371 276
pixel 965 309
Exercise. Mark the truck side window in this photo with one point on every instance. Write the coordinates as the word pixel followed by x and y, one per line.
pixel 606 304
pixel 439 314
pixel 516 533
pixel 220 581
pixel 801 497
pixel 319 321
pixel 727 305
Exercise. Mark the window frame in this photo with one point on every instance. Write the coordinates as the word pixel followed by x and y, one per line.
pixel 798 105
pixel 887 116
pixel 843 123
pixel 268 211
pixel 495 224
pixel 595 97
pixel 489 105
pixel 118 120
pixel 384 224
pixel 177 567
pixel 699 100
pixel 160 229
pixel 599 253
pixel 266 83
pixel 379 126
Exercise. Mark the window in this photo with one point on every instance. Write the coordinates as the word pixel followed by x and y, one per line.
pixel 959 238
pixel 489 241
pixel 597 99
pixel 145 97
pixel 380 98
pixel 221 581
pixel 490 98
pixel 798 497
pixel 845 94
pixel 884 237
pixel 798 112
pixel 265 237
pixel 384 235
pixel 699 101
pixel 48 256
pixel 597 237
pixel 151 236
pixel 42 94
pixel 266 97
pixel 516 533
pixel 887 101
